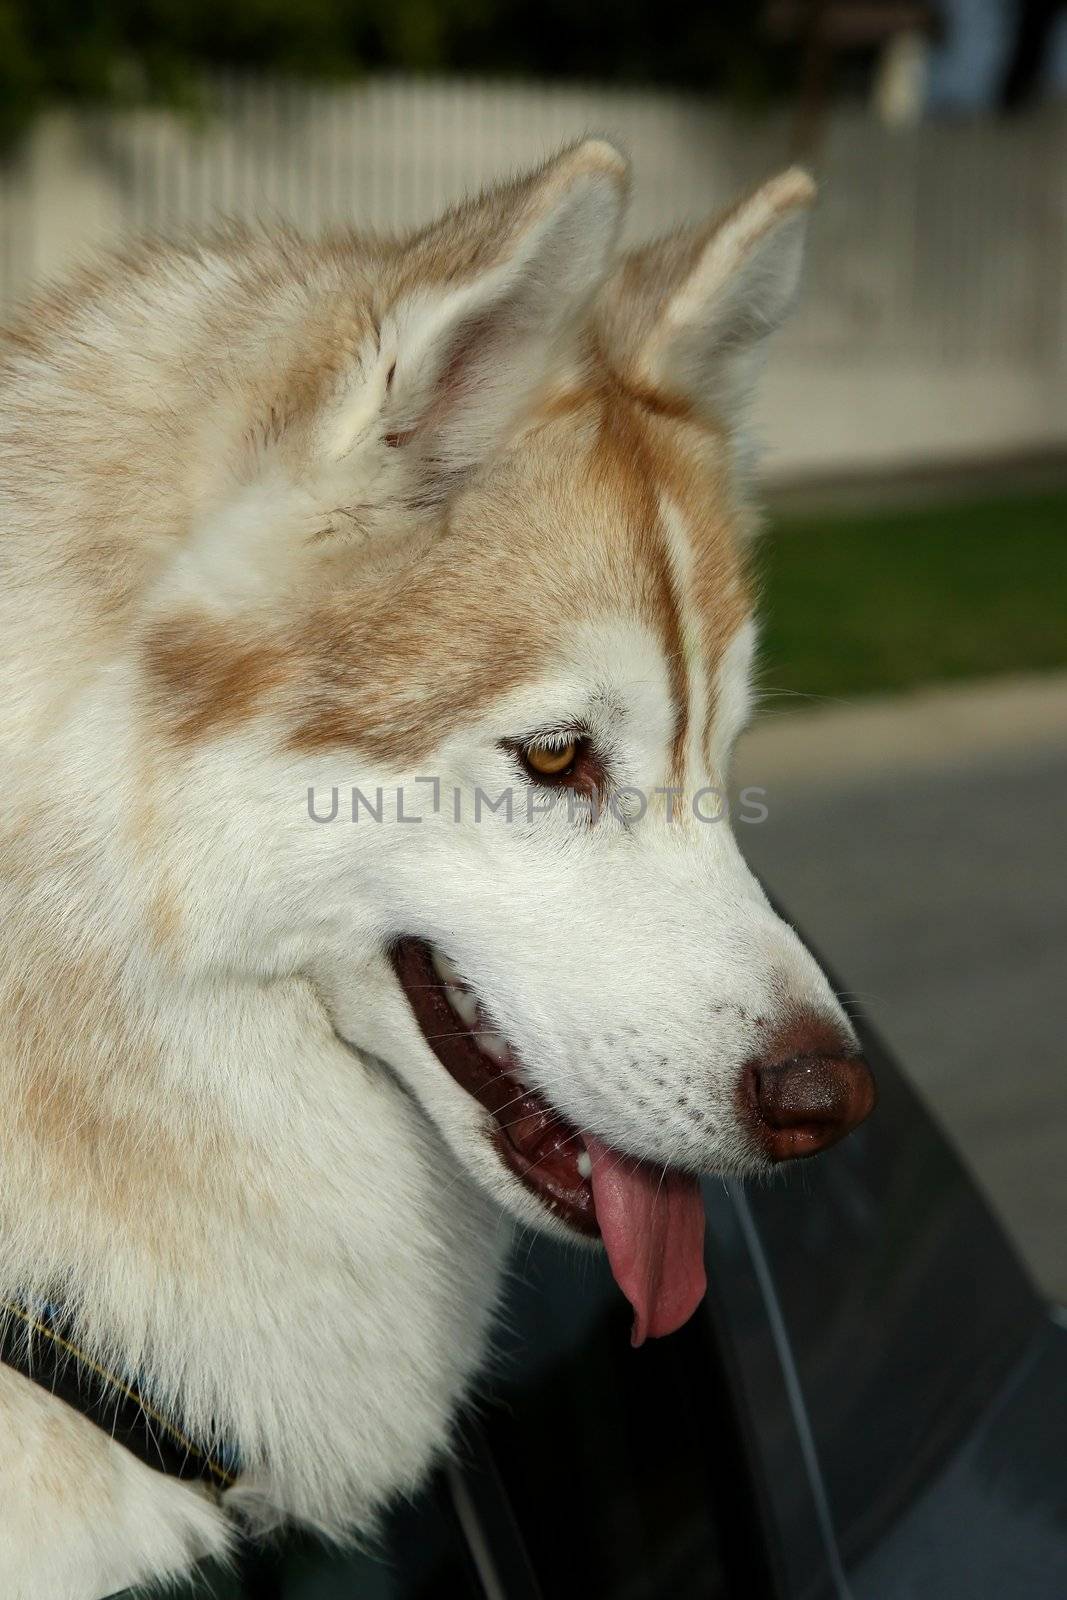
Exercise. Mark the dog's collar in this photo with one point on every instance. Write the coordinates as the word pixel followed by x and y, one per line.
pixel 36 1340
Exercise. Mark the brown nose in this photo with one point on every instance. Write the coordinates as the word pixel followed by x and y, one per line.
pixel 805 1103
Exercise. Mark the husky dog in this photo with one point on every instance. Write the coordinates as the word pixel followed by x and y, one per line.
pixel 397 529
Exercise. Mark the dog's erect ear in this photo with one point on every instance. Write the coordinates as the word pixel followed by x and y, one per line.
pixel 479 305
pixel 688 313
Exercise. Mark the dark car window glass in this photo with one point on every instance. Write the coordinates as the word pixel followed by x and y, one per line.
pixel 622 1467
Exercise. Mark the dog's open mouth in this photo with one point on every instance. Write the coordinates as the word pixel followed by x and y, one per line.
pixel 546 1153
pixel 651 1220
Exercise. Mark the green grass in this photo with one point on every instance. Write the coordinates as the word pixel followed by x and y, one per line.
pixel 893 599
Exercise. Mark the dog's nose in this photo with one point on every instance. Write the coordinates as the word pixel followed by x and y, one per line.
pixel 804 1101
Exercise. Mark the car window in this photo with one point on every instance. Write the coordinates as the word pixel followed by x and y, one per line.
pixel 623 1468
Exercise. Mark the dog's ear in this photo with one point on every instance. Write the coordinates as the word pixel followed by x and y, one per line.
pixel 688 313
pixel 478 306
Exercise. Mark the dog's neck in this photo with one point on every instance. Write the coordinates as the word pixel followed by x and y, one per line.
pixel 241 1209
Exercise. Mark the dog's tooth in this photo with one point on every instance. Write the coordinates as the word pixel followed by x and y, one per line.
pixel 463 1003
pixel 585 1165
pixel 495 1046
pixel 445 969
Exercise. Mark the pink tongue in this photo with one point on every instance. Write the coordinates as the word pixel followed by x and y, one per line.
pixel 653 1227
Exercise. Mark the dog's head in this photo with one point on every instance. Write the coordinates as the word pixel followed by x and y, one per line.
pixel 472 569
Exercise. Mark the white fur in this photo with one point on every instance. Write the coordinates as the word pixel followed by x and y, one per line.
pixel 733 694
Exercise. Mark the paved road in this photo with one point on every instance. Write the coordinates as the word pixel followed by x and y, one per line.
pixel 939 893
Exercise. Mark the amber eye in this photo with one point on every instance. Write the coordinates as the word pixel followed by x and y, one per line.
pixel 550 760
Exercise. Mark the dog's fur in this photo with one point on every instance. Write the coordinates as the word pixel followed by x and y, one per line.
pixel 279 514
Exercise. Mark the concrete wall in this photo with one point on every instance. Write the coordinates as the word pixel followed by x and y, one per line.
pixel 934 319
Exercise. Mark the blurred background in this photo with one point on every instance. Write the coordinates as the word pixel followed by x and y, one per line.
pixel 913 732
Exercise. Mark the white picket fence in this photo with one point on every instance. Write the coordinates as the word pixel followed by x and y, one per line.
pixel 934 318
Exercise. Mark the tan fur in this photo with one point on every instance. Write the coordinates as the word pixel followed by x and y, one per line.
pixel 611 449
pixel 207 678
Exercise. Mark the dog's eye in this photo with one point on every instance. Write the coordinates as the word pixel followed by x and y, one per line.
pixel 550 760
pixel 574 764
